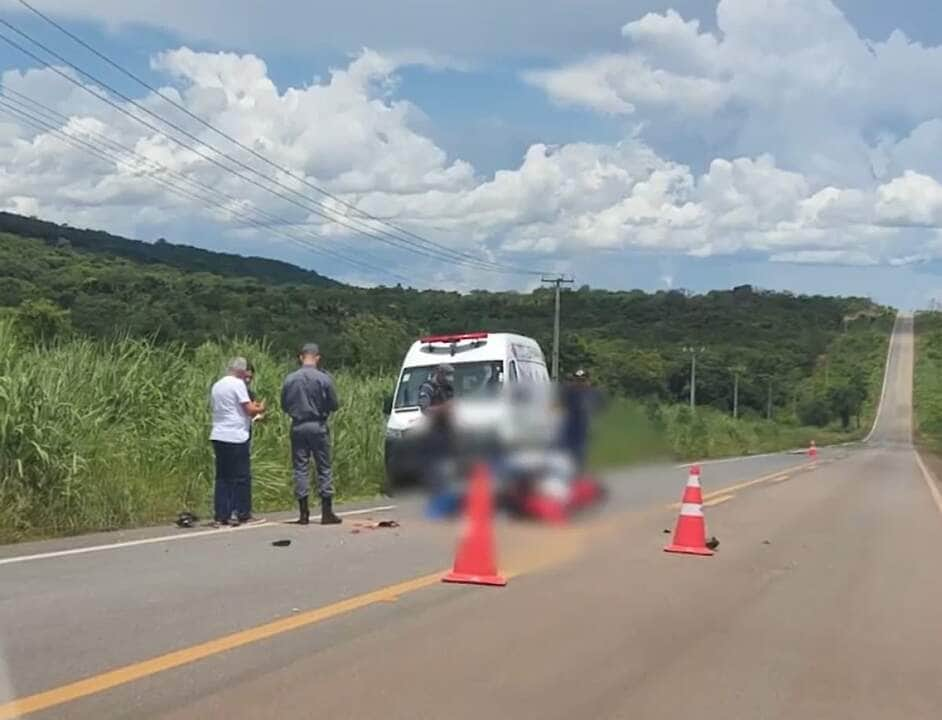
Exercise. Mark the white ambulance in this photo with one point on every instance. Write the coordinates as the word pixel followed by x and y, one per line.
pixel 489 369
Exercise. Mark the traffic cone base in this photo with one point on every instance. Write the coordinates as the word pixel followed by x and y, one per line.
pixel 456 577
pixel 688 550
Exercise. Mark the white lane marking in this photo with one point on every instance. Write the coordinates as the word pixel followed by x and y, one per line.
pixel 740 458
pixel 930 481
pixel 718 501
pixel 167 538
pixel 886 375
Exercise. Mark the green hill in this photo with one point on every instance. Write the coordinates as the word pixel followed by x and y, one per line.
pixel 181 257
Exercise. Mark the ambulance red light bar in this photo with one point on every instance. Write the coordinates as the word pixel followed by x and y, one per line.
pixel 457 337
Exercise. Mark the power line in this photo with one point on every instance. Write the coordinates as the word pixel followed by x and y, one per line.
pixel 21 99
pixel 162 168
pixel 440 253
pixel 195 150
pixel 103 154
pixel 182 108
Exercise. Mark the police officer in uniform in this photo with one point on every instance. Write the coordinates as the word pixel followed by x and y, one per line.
pixel 308 397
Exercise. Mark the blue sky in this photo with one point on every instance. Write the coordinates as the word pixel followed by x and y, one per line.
pixel 699 144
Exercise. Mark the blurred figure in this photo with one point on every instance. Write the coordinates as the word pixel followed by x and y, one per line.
pixel 308 397
pixel 579 402
pixel 232 413
pixel 437 390
pixel 434 400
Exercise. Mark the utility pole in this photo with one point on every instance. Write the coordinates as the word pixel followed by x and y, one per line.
pixel 694 351
pixel 737 371
pixel 736 396
pixel 768 411
pixel 556 280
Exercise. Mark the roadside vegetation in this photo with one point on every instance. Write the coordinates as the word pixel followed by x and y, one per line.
pixel 927 381
pixel 107 356
pixel 107 434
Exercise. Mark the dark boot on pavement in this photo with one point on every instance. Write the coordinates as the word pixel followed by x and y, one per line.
pixel 304 518
pixel 327 512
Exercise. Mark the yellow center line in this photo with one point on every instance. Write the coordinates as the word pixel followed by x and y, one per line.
pixel 137 671
pixel 748 483
pixel 718 501
pixel 532 562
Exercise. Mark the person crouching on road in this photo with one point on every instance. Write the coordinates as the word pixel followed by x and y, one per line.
pixel 308 397
pixel 232 412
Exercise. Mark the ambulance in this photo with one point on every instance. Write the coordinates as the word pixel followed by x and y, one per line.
pixel 492 372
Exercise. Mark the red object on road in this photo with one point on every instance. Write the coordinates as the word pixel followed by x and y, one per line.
pixel 547 509
pixel 475 561
pixel 585 491
pixel 690 533
pixel 812 451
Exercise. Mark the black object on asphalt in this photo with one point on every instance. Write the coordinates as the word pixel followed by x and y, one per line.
pixel 186 520
pixel 281 543
pixel 712 543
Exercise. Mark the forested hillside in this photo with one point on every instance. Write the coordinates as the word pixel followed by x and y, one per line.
pixel 107 286
pixel 182 257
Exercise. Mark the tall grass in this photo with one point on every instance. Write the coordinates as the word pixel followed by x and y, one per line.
pixel 629 432
pixel 927 380
pixel 104 435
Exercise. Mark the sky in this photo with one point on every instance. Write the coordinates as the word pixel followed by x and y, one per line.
pixel 695 144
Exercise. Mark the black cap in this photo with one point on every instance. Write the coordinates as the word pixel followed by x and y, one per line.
pixel 310 349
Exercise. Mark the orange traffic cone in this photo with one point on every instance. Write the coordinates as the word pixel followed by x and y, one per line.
pixel 690 534
pixel 813 451
pixel 475 561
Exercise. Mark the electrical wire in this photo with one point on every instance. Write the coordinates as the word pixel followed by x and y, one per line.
pixel 444 254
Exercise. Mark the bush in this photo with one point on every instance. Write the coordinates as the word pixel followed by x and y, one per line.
pixel 40 321
pixel 815 411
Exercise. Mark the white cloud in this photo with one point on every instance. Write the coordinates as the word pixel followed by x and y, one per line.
pixel 790 77
pixel 912 199
pixel 802 102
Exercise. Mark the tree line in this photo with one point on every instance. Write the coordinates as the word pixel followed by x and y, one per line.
pixel 66 282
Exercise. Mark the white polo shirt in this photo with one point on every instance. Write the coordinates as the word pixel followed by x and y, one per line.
pixel 231 423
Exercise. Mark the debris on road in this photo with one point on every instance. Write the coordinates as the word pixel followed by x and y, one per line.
pixel 766 542
pixel 281 543
pixel 712 543
pixel 374 525
pixel 186 520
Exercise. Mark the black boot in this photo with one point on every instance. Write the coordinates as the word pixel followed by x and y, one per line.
pixel 305 517
pixel 327 512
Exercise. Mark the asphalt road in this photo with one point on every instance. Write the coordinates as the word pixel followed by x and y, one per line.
pixel 823 601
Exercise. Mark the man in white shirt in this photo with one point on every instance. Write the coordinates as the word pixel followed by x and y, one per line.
pixel 233 410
